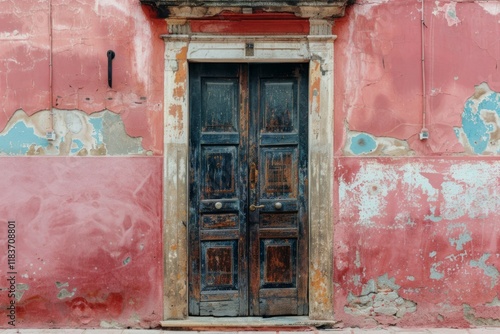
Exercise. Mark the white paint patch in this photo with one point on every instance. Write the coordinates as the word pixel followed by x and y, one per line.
pixel 413 179
pixel 364 8
pixel 142 44
pixel 492 8
pixel 118 5
pixel 372 185
pixel 470 191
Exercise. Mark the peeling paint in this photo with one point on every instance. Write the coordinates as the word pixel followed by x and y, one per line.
pixel 470 316
pixel 462 239
pixel 364 144
pixel 77 133
pixel 434 273
pixel 63 294
pixel 480 131
pixel 492 8
pixel 449 12
pixel 490 271
pixel 127 261
pixel 494 303
pixel 21 288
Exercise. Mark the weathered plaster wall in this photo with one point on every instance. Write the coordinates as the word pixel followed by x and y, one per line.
pixel 88 227
pixel 74 38
pixel 416 232
pixel 417 242
pixel 88 240
pixel 378 86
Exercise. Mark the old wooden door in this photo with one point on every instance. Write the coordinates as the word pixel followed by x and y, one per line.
pixel 248 236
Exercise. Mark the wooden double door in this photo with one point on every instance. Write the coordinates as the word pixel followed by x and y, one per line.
pixel 248 221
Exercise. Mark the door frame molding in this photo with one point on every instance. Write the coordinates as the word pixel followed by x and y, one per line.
pixel 316 49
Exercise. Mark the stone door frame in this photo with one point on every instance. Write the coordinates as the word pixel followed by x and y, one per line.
pixel 316 49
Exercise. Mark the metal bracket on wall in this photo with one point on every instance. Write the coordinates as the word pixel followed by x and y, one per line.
pixel 111 56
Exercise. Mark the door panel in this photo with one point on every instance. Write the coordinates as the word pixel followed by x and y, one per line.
pixel 248 218
pixel 218 200
pixel 278 231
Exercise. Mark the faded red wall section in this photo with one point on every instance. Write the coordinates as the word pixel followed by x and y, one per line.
pixel 88 240
pixel 416 239
pixel 82 33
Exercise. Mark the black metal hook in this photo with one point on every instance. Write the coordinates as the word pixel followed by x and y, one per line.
pixel 111 56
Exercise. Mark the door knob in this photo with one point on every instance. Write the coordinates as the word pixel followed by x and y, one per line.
pixel 278 205
pixel 254 207
pixel 218 205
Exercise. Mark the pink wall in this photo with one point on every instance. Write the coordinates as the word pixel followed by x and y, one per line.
pixel 88 240
pixel 88 229
pixel 416 233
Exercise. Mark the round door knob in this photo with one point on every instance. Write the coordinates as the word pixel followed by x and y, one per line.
pixel 218 205
pixel 278 205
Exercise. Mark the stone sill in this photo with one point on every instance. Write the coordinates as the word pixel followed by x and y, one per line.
pixel 246 323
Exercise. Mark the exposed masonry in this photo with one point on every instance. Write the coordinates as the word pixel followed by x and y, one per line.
pixel 470 316
pixel 76 133
pixel 379 298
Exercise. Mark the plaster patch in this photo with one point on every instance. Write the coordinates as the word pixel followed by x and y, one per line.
pixel 480 131
pixel 468 191
pixel 494 303
pixel 21 288
pixel 462 238
pixel 449 12
pixel 360 143
pixel 435 274
pixel 432 217
pixel 63 294
pixel 492 8
pixel 490 271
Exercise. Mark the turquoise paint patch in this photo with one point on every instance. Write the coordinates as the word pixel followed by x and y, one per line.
pixel 474 127
pixel 76 146
pixel 362 144
pixel 18 140
pixel 98 127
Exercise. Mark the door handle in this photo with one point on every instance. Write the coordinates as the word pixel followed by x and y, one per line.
pixel 254 207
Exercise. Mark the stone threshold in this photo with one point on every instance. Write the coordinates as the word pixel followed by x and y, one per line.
pixel 247 323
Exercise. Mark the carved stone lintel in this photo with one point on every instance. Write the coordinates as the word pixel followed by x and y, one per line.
pixel 200 9
pixel 178 27
pixel 320 27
